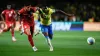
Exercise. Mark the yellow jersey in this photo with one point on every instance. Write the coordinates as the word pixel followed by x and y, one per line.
pixel 36 16
pixel 47 21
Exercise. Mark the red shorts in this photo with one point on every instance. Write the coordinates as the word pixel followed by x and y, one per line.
pixel 10 24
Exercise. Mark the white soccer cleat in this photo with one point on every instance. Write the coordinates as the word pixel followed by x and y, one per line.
pixel 21 32
pixel 13 39
pixel 51 49
pixel 34 48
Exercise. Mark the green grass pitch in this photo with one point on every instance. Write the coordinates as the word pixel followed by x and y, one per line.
pixel 69 43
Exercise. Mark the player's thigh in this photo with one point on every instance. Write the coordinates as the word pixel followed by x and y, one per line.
pixel 12 24
pixel 26 29
pixel 44 29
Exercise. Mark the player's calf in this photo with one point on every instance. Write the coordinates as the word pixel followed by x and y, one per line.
pixel 13 37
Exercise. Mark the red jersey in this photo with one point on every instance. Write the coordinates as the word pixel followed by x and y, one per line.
pixel 26 16
pixel 9 15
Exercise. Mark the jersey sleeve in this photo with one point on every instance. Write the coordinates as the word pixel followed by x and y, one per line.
pixel 3 12
pixel 14 12
pixel 21 11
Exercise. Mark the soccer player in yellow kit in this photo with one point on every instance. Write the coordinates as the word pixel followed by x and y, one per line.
pixel 46 23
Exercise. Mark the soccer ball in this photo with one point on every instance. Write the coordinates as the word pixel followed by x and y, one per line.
pixel 90 40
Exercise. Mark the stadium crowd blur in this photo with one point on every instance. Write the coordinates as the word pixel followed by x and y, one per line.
pixel 82 12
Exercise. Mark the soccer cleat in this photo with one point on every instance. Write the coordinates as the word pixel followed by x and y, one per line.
pixel 34 48
pixel 21 33
pixel 51 49
pixel 13 39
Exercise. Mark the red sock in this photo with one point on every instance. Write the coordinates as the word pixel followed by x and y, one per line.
pixel 30 40
pixel 12 32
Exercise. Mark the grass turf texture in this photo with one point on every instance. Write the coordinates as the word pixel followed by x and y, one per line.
pixel 70 43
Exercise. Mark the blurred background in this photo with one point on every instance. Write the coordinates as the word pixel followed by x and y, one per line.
pixel 70 33
pixel 84 12
pixel 82 9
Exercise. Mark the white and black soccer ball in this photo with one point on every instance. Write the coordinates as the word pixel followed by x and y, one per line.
pixel 90 40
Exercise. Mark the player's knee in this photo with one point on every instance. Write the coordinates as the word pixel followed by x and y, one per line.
pixel 27 32
pixel 45 33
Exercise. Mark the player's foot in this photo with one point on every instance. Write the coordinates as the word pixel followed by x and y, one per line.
pixel 13 39
pixel 37 33
pixel 22 31
pixel 51 49
pixel 34 48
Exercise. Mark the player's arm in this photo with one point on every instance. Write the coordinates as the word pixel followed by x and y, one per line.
pixel 20 14
pixel 15 15
pixel 64 12
pixel 42 14
pixel 2 15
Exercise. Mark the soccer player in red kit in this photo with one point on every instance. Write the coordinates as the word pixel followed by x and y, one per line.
pixel 27 22
pixel 8 16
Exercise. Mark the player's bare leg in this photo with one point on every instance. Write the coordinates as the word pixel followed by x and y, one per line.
pixel 13 37
pixel 48 41
pixel 28 33
pixel 12 32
